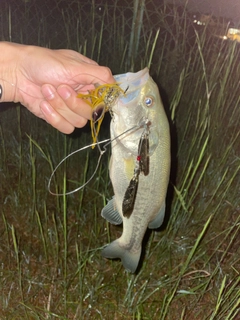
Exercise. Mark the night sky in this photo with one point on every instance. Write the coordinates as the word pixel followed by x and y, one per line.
pixel 224 8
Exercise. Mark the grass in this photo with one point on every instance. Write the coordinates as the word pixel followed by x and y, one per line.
pixel 51 266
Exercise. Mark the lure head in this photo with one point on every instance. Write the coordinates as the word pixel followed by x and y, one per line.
pixel 101 100
pixel 98 112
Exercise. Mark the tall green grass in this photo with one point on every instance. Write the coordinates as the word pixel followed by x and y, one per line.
pixel 51 266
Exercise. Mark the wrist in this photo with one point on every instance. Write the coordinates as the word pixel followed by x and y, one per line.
pixel 9 69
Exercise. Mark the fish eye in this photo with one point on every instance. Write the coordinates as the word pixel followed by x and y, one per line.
pixel 148 101
pixel 98 112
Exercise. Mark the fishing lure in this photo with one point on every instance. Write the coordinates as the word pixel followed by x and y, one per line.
pixel 143 152
pixel 101 100
pixel 142 165
pixel 130 195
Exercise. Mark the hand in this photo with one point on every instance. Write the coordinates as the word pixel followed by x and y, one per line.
pixel 47 82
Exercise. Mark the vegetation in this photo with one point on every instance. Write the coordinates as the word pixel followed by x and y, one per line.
pixel 51 266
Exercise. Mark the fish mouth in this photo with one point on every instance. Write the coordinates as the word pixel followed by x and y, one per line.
pixel 131 83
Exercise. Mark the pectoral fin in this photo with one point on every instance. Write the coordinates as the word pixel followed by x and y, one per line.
pixel 110 213
pixel 158 220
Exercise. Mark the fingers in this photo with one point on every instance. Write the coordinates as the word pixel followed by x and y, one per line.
pixel 55 119
pixel 62 109
pixel 75 105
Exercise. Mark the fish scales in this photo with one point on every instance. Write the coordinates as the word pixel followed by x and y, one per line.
pixel 142 104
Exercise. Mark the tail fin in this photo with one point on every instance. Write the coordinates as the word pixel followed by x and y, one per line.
pixel 129 260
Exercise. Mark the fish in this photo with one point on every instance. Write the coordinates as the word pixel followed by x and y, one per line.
pixel 139 166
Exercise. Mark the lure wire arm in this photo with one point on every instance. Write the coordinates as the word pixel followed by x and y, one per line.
pixel 68 156
pixel 101 151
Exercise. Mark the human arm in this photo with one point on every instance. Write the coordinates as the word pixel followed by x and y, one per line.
pixel 46 82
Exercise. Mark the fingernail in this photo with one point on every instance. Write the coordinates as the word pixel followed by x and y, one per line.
pixel 64 92
pixel 48 92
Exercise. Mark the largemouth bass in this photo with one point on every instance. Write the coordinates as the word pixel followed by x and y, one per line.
pixel 139 165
